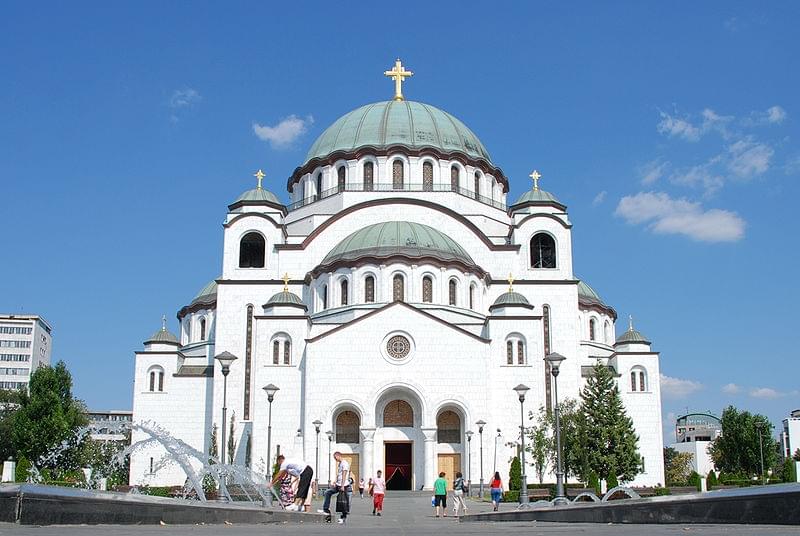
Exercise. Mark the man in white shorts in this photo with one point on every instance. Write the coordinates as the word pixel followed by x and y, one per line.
pixel 298 469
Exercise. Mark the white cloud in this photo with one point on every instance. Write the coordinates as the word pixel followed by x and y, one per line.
pixel 701 175
pixel 765 392
pixel 731 389
pixel 184 98
pixel 665 215
pixel 774 115
pixel 678 388
pixel 599 198
pixel 675 126
pixel 285 132
pixel 652 171
pixel 748 158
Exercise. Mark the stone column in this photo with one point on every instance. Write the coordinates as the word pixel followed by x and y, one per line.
pixel 430 457
pixel 367 469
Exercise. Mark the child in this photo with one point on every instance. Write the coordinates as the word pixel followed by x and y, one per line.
pixel 378 489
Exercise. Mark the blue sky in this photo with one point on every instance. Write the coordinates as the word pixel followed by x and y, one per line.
pixel 669 129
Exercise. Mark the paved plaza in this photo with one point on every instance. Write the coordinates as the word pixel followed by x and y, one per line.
pixel 405 514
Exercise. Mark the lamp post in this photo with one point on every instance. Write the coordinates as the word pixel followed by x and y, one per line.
pixel 270 389
pixel 555 360
pixel 225 360
pixel 481 424
pixel 317 424
pixel 330 439
pixel 469 460
pixel 496 439
pixel 760 452
pixel 523 489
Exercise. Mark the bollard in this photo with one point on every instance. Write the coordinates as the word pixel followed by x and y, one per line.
pixel 9 471
pixel 703 485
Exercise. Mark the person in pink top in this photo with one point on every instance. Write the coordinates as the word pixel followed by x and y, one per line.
pixel 377 490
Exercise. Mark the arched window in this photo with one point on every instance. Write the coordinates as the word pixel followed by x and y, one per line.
pixel 251 251
pixel 592 329
pixel 452 288
pixel 324 296
pixel 319 185
pixel 202 329
pixel 287 352
pixel 520 353
pixel 633 380
pixel 455 178
pixel 340 178
pixel 398 413
pixel 638 379
pixel 543 251
pixel 427 177
pixel 156 378
pixel 448 427
pixel 397 174
pixel 369 176
pixel 369 289
pixel 343 289
pixel 642 382
pixel 276 352
pixel 515 342
pixel 398 288
pixel 347 427
pixel 509 352
pixel 472 296
pixel 607 332
pixel 427 289
pixel 477 185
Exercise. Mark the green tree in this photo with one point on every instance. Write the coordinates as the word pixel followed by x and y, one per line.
pixel 796 455
pixel 515 474
pixel 787 472
pixel 737 449
pixel 248 451
pixel 213 446
pixel 711 479
pixel 9 404
pixel 573 457
pixel 231 439
pixel 48 416
pixel 540 442
pixel 677 467
pixel 607 434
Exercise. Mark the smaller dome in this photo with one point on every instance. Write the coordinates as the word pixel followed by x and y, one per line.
pixel 632 336
pixel 538 196
pixel 285 298
pixel 511 298
pixel 258 195
pixel 207 295
pixel 588 294
pixel 163 336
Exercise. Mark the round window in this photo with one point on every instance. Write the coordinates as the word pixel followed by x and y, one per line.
pixel 398 347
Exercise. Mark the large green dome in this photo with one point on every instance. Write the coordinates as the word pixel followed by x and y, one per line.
pixel 398 238
pixel 411 124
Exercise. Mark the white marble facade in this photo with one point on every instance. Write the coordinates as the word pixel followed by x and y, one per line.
pixel 337 348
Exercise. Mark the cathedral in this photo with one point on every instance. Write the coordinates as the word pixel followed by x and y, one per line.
pixel 391 307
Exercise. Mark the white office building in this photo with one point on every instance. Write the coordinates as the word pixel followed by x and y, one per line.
pixel 26 343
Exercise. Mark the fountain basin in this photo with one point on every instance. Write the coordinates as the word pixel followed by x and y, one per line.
pixel 33 504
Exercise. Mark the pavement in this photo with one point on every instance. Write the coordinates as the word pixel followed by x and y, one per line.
pixel 405 513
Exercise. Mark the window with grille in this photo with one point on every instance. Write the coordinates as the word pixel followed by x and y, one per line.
pixel 369 178
pixel 592 329
pixel 276 352
pixel 454 178
pixel 398 413
pixel 343 290
pixel 427 177
pixel 427 289
pixel 509 353
pixel 369 289
pixel 397 175
pixel 520 353
pixel 543 251
pixel 448 427
pixel 452 292
pixel 287 352
pixel 398 288
pixel 340 178
pixel 348 427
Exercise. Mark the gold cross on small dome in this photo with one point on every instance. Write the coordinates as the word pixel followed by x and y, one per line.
pixel 260 176
pixel 286 282
pixel 535 175
pixel 510 282
pixel 398 74
pixel 163 322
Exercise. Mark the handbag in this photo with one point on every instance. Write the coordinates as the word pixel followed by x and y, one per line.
pixel 342 504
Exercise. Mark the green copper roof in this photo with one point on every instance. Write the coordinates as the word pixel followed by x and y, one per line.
pixel 537 196
pixel 511 298
pixel 588 294
pixel 163 336
pixel 285 298
pixel 412 124
pixel 257 195
pixel 208 294
pixel 632 335
pixel 403 238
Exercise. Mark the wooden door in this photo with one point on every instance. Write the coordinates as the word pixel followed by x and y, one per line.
pixel 450 464
pixel 354 468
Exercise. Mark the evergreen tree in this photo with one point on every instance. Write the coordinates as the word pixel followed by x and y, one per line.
pixel 515 474
pixel 47 416
pixel 231 440
pixel 213 449
pixel 608 440
pixel 248 451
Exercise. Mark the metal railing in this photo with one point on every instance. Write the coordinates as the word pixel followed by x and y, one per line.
pixel 397 188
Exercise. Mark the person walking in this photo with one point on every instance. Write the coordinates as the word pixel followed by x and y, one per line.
pixel 496 487
pixel 459 489
pixel 299 469
pixel 361 487
pixel 378 490
pixel 339 486
pixel 440 494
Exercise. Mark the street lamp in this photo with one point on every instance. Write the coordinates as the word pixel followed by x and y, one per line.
pixel 496 439
pixel 270 389
pixel 555 360
pixel 481 424
pixel 521 390
pixel 469 460
pixel 760 451
pixel 225 360
pixel 317 424
pixel 329 433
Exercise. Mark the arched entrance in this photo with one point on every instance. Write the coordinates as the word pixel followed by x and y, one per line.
pixel 399 416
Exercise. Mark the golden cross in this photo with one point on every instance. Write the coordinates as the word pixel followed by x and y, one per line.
pixel 286 282
pixel 630 322
pixel 163 322
pixel 398 74
pixel 260 176
pixel 510 282
pixel 535 176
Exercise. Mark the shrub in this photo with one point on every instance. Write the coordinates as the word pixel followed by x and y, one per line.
pixel 658 491
pixel 788 471
pixel 511 496
pixel 611 482
pixel 594 483
pixel 694 480
pixel 711 479
pixel 515 474
pixel 155 491
pixel 21 473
